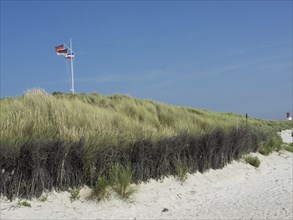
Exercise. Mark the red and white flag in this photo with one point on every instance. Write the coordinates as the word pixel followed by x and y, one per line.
pixel 60 47
pixel 62 52
pixel 69 56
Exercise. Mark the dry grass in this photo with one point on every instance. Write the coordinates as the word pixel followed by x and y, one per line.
pixel 66 140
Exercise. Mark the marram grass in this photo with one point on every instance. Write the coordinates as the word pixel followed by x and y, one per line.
pixel 252 160
pixel 66 140
pixel 104 120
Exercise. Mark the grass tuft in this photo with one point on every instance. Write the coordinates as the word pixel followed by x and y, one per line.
pixel 252 160
pixel 24 203
pixel 101 190
pixel 274 143
pixel 120 180
pixel 74 194
pixel 289 147
pixel 43 198
pixel 181 171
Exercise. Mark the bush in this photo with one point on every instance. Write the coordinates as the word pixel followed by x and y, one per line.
pixel 252 160
pixel 120 179
pixel 101 189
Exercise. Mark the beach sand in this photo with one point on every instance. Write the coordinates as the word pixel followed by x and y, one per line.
pixel 238 191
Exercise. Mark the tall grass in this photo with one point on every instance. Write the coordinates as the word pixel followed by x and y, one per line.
pixel 181 171
pixel 66 140
pixel 289 147
pixel 273 143
pixel 101 189
pixel 120 178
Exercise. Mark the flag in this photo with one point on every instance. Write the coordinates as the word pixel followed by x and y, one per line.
pixel 62 52
pixel 60 47
pixel 69 56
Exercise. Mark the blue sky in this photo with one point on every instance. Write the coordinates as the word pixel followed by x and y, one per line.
pixel 227 56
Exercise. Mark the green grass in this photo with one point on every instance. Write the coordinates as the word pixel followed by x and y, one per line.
pixel 65 140
pixel 252 160
pixel 101 190
pixel 274 143
pixel 120 178
pixel 289 147
pixel 24 203
pixel 181 171
pixel 101 120
pixel 74 194
pixel 43 198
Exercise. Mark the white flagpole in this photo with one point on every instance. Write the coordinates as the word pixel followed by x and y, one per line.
pixel 72 78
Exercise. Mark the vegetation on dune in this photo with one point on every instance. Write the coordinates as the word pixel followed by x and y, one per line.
pixel 289 147
pixel 74 194
pixel 23 203
pixel 181 171
pixel 120 179
pixel 252 160
pixel 101 189
pixel 272 144
pixel 65 140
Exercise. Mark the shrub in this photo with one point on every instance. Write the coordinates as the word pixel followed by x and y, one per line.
pixel 120 180
pixel 181 171
pixel 101 189
pixel 75 194
pixel 252 160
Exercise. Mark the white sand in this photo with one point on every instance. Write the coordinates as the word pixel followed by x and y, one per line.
pixel 239 191
pixel 286 136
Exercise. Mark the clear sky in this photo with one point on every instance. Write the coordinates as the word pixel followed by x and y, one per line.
pixel 226 56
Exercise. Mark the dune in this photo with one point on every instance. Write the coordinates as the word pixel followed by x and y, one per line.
pixel 238 191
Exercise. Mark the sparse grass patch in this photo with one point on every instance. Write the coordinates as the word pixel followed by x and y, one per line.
pixel 43 198
pixel 181 171
pixel 120 179
pixel 252 160
pixel 74 194
pixel 289 147
pixel 23 203
pixel 101 190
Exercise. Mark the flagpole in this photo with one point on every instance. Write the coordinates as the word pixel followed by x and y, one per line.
pixel 72 78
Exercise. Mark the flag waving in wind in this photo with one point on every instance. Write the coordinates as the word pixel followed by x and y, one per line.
pixel 58 48
pixel 69 56
pixel 62 51
pixel 68 53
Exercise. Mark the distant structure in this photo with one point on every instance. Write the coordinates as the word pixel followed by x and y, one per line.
pixel 289 116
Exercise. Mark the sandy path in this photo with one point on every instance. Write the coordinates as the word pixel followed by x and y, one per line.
pixel 239 191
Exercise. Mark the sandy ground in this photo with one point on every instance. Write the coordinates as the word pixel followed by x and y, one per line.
pixel 239 191
pixel 286 136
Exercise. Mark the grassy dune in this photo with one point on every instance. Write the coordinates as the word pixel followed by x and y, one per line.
pixel 65 140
